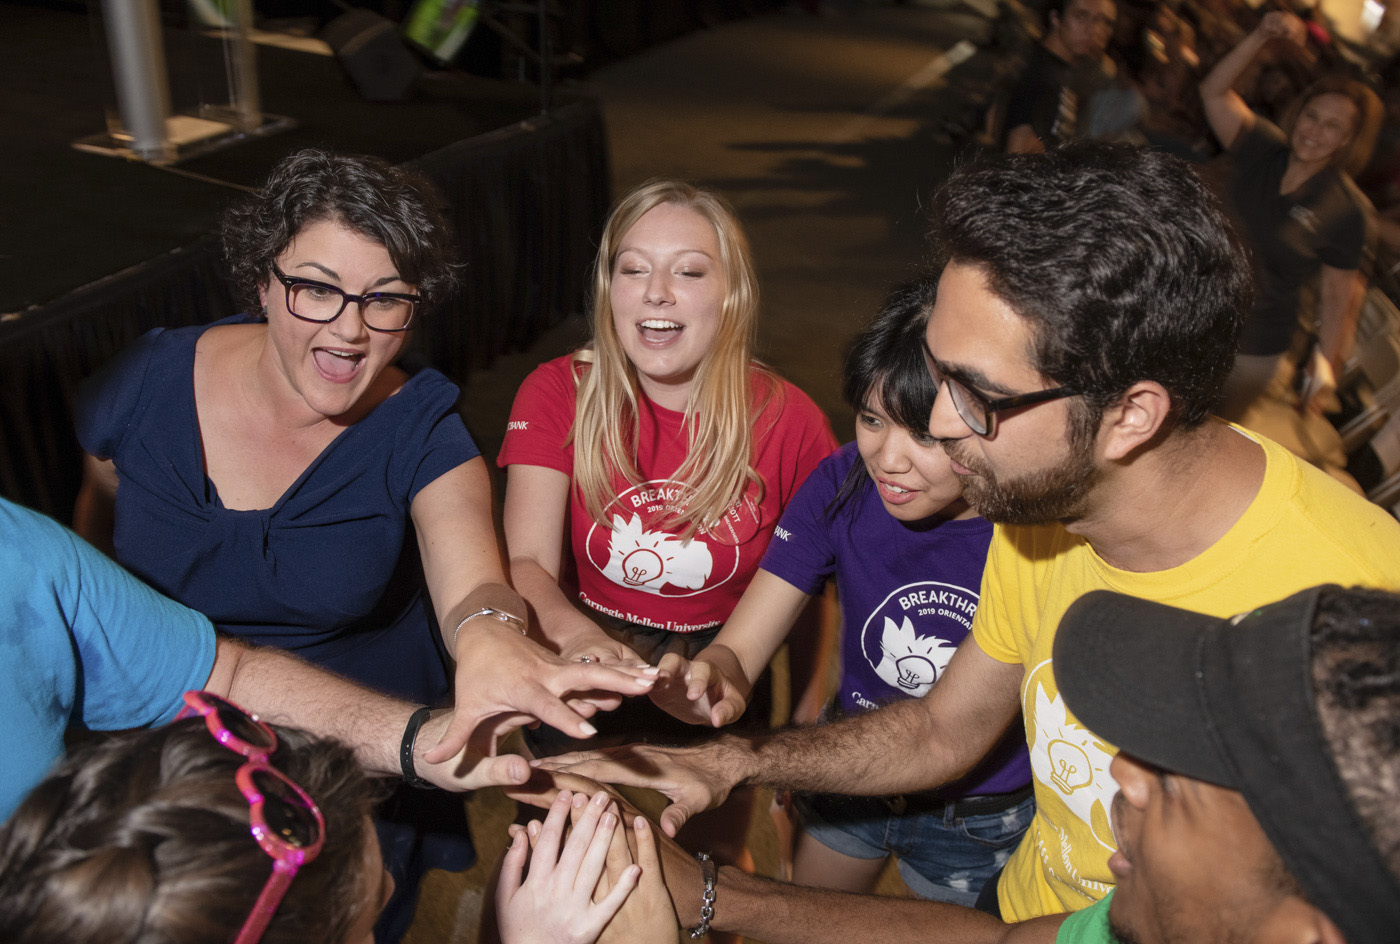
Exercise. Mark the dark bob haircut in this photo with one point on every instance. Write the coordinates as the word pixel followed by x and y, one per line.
pixel 1121 260
pixel 888 356
pixel 390 205
pixel 144 836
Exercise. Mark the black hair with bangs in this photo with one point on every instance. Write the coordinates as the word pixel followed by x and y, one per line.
pixel 888 356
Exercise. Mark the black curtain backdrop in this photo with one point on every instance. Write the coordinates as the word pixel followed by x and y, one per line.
pixel 526 203
pixel 97 251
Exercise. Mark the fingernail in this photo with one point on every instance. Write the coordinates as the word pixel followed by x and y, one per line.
pixel 600 798
pixel 634 872
pixel 648 669
pixel 588 729
pixel 640 823
pixel 579 800
pixel 606 820
pixel 534 828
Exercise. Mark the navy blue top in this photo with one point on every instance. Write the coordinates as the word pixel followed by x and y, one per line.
pixel 330 571
pixel 908 592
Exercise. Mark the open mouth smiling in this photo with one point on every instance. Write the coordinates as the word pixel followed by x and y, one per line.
pixel 659 329
pixel 338 365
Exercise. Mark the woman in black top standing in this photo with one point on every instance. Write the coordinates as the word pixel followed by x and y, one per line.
pixel 1298 208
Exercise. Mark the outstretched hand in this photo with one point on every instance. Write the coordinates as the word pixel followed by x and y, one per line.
pixel 694 779
pixel 600 647
pixel 710 690
pixel 469 768
pixel 505 680
pixel 647 915
pixel 555 903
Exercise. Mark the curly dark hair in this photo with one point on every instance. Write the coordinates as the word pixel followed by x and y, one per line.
pixel 144 836
pixel 1121 260
pixel 391 205
pixel 1356 677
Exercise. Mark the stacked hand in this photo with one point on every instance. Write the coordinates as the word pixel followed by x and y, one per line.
pixel 598 646
pixel 671 879
pixel 505 680
pixel 710 690
pixel 469 768
pixel 605 885
pixel 694 779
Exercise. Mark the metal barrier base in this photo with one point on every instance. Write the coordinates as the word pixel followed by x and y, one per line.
pixel 188 136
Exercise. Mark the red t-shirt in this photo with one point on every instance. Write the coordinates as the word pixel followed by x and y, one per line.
pixel 634 567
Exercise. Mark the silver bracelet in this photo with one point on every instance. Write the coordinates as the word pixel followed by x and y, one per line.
pixel 709 872
pixel 495 614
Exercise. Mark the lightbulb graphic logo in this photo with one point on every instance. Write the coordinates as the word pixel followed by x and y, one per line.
pixel 634 546
pixel 648 560
pixel 909 638
pixel 1065 755
pixel 1070 767
pixel 911 662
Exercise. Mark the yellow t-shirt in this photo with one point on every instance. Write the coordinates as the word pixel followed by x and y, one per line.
pixel 1302 529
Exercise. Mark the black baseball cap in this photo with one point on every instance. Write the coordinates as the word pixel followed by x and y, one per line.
pixel 1231 702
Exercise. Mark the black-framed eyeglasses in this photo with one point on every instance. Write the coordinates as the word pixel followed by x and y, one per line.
pixel 319 302
pixel 978 412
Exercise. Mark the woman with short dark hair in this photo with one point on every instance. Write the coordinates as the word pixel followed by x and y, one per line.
pixel 269 469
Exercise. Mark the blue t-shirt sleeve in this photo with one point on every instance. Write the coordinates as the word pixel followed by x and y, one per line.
pixel 107 400
pixel 802 552
pixel 138 650
pixel 82 642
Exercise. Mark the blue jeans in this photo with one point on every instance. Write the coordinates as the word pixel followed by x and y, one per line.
pixel 944 854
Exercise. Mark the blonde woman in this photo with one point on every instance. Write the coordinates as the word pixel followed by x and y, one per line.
pixel 647 470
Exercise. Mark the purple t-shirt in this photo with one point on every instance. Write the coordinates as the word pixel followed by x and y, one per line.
pixel 908 593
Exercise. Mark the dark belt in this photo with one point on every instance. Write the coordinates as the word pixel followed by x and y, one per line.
pixel 932 802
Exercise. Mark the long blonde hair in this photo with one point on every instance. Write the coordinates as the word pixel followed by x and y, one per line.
pixel 720 413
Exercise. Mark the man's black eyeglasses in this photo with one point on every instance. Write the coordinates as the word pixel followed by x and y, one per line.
pixel 978 412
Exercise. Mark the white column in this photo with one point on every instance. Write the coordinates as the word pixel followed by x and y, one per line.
pixel 138 68
pixel 245 98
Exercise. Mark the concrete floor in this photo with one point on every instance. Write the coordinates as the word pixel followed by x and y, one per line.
pixel 825 133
